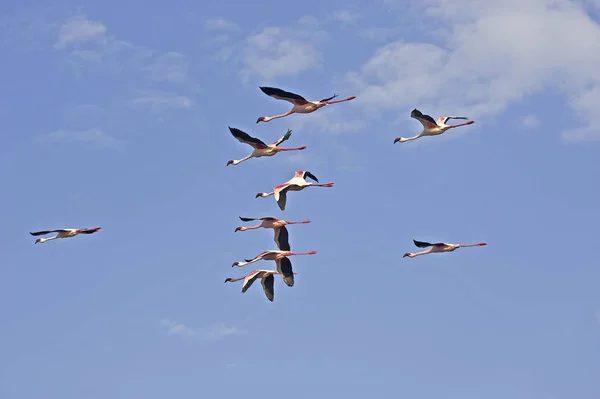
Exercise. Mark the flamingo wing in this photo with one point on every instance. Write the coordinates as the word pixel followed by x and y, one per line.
pixel 268 284
pixel 284 267
pixel 282 239
pixel 260 218
pixel 89 231
pixel 443 119
pixel 310 176
pixel 41 233
pixel 244 137
pixel 426 120
pixel 328 99
pixel 284 95
pixel 282 198
pixel 259 256
pixel 422 244
pixel 249 280
pixel 283 138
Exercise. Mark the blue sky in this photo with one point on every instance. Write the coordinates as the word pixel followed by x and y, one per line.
pixel 116 114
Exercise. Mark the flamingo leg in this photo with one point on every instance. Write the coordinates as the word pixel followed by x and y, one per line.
pixel 293 149
pixel 463 124
pixel 340 101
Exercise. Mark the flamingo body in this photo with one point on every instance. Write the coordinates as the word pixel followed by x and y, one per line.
pixel 281 235
pixel 439 247
pixel 260 149
pixel 62 233
pixel 284 265
pixel 300 104
pixel 296 183
pixel 431 127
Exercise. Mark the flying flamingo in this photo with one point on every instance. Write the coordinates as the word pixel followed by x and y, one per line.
pixel 439 247
pixel 63 233
pixel 281 237
pixel 430 126
pixel 296 183
pixel 284 265
pixel 300 104
pixel 260 148
pixel 267 281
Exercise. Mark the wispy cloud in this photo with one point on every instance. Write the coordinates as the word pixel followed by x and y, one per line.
pixel 531 121
pixel 334 119
pixel 346 17
pixel 86 41
pixel 219 24
pixel 80 30
pixel 215 331
pixel 232 364
pixel 92 138
pixel 159 102
pixel 171 67
pixel 483 82
pixel 277 51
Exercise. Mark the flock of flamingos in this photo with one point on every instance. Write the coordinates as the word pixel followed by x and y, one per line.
pixel 431 127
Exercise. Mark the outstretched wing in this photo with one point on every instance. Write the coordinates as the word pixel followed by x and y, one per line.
pixel 443 119
pixel 283 138
pixel 244 137
pixel 328 99
pixel 422 244
pixel 282 239
pixel 259 256
pixel 249 280
pixel 310 176
pixel 427 121
pixel 268 286
pixel 284 267
pixel 282 198
pixel 284 95
pixel 41 233
pixel 89 231
pixel 260 218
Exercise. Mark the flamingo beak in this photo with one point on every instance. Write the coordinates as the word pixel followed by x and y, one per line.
pixel 237 229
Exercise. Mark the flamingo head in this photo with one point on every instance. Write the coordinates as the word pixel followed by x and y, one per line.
pixel 236 264
pixel 408 254
pixel 228 279
pixel 263 119
pixel 239 229
pixel 230 162
pixel 38 240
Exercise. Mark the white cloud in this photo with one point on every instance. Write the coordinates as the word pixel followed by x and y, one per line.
pixel 282 51
pixel 531 121
pixel 87 41
pixel 478 70
pixel 92 138
pixel 215 331
pixel 219 24
pixel 334 119
pixel 158 101
pixel 78 31
pixel 170 66
pixel 346 16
